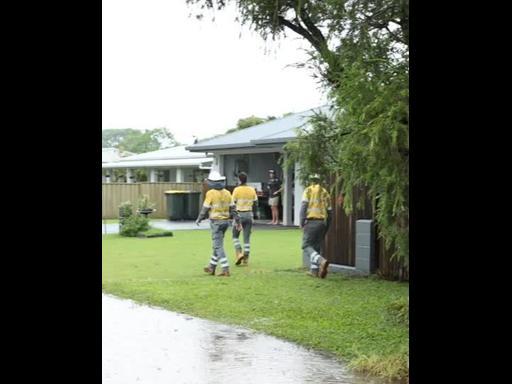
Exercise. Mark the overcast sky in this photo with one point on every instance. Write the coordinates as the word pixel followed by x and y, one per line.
pixel 162 68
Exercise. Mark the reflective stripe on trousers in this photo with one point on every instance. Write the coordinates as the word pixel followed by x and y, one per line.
pixel 313 235
pixel 246 221
pixel 219 228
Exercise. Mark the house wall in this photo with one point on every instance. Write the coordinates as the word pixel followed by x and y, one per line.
pixel 298 190
pixel 258 165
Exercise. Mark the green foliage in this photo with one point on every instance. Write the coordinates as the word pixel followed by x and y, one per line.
pixel 125 209
pixel 133 225
pixel 136 141
pixel 111 138
pixel 144 203
pixel 399 310
pixel 252 121
pixel 249 122
pixel 314 149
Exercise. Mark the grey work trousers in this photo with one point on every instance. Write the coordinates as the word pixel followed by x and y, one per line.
pixel 219 228
pixel 246 220
pixel 313 235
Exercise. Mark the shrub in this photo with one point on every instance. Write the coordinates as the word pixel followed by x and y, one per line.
pixel 133 225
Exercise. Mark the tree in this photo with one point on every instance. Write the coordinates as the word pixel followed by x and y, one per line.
pixel 360 52
pixel 251 121
pixel 111 138
pixel 136 141
pixel 246 123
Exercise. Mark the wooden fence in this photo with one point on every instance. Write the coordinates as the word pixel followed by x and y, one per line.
pixel 114 194
pixel 340 242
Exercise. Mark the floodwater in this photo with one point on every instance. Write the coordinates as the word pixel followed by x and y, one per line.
pixel 149 345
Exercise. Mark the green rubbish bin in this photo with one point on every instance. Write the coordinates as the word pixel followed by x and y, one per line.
pixel 192 205
pixel 176 203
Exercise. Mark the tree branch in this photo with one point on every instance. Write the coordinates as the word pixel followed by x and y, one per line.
pixel 298 29
pixel 313 29
pixel 312 34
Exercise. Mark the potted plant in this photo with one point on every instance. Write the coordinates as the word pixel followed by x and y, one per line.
pixel 145 207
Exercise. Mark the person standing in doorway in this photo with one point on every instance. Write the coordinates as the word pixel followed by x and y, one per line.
pixel 274 192
pixel 315 218
pixel 218 206
pixel 246 202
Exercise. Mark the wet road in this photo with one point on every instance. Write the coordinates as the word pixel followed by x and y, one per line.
pixel 148 345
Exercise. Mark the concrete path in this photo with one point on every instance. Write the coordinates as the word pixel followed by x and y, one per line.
pixel 148 345
pixel 162 224
pixel 180 225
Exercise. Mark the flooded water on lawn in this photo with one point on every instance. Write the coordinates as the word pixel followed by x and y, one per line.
pixel 149 345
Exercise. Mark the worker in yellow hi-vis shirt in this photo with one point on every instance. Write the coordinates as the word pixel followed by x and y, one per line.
pixel 315 218
pixel 217 204
pixel 246 202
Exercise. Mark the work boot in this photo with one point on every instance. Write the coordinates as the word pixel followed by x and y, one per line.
pixel 224 274
pixel 323 268
pixel 209 270
pixel 239 257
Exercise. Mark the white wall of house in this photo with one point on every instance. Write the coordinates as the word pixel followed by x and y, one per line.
pixel 287 195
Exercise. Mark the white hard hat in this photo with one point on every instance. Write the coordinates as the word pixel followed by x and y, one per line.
pixel 215 176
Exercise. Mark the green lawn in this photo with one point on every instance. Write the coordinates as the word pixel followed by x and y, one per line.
pixel 110 221
pixel 348 316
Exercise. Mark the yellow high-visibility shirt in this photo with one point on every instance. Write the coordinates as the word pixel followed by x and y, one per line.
pixel 218 202
pixel 319 201
pixel 244 198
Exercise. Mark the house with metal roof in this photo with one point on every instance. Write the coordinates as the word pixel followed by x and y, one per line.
pixel 175 164
pixel 257 149
pixel 112 154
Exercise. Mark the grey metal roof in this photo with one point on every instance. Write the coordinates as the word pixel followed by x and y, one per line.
pixel 276 131
pixel 169 157
pixel 177 152
pixel 112 154
pixel 158 163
